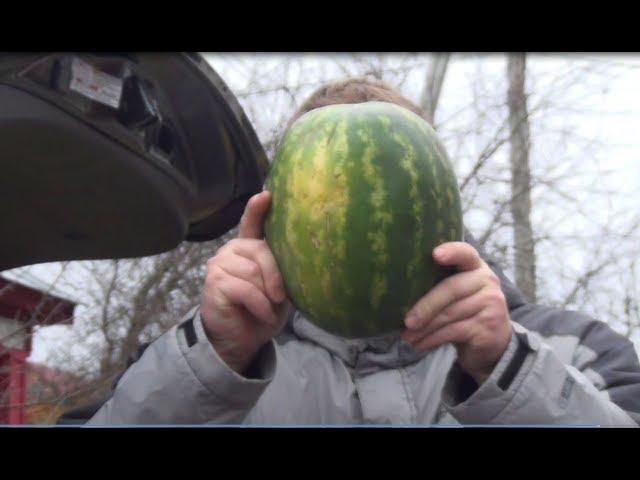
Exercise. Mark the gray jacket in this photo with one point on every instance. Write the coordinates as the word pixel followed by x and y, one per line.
pixel 561 368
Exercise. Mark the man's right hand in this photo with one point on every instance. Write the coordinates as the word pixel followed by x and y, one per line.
pixel 244 303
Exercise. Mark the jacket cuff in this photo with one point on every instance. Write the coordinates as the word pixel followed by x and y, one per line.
pixel 214 374
pixel 493 396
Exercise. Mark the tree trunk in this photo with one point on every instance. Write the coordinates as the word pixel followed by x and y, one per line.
pixel 433 85
pixel 525 260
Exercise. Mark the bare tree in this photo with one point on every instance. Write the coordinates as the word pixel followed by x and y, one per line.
pixel 524 247
pixel 433 85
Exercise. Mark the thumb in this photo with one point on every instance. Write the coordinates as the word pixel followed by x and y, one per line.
pixel 252 221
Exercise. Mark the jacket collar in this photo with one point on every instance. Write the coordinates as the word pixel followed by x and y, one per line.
pixel 372 353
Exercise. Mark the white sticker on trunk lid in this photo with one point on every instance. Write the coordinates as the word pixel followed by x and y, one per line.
pixel 94 84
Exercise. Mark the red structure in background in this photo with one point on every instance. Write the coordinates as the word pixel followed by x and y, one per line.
pixel 25 307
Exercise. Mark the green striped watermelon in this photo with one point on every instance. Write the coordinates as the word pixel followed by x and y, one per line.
pixel 361 195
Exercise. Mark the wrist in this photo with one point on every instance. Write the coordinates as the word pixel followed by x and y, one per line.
pixel 482 376
pixel 484 369
pixel 479 374
pixel 237 359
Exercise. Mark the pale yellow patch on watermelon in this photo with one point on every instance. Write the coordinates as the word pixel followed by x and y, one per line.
pixel 317 183
pixel 337 200
pixel 408 163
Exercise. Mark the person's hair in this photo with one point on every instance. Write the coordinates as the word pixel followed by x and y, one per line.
pixel 354 90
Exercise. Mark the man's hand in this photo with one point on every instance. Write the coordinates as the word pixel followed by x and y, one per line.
pixel 243 303
pixel 467 309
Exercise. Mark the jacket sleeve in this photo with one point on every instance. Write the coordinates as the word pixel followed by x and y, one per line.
pixel 181 380
pixel 562 368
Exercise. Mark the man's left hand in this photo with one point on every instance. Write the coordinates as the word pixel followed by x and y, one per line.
pixel 467 309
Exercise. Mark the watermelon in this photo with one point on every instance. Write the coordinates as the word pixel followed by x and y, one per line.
pixel 361 195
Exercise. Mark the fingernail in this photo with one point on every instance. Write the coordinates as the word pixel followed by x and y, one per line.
pixel 440 253
pixel 411 321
